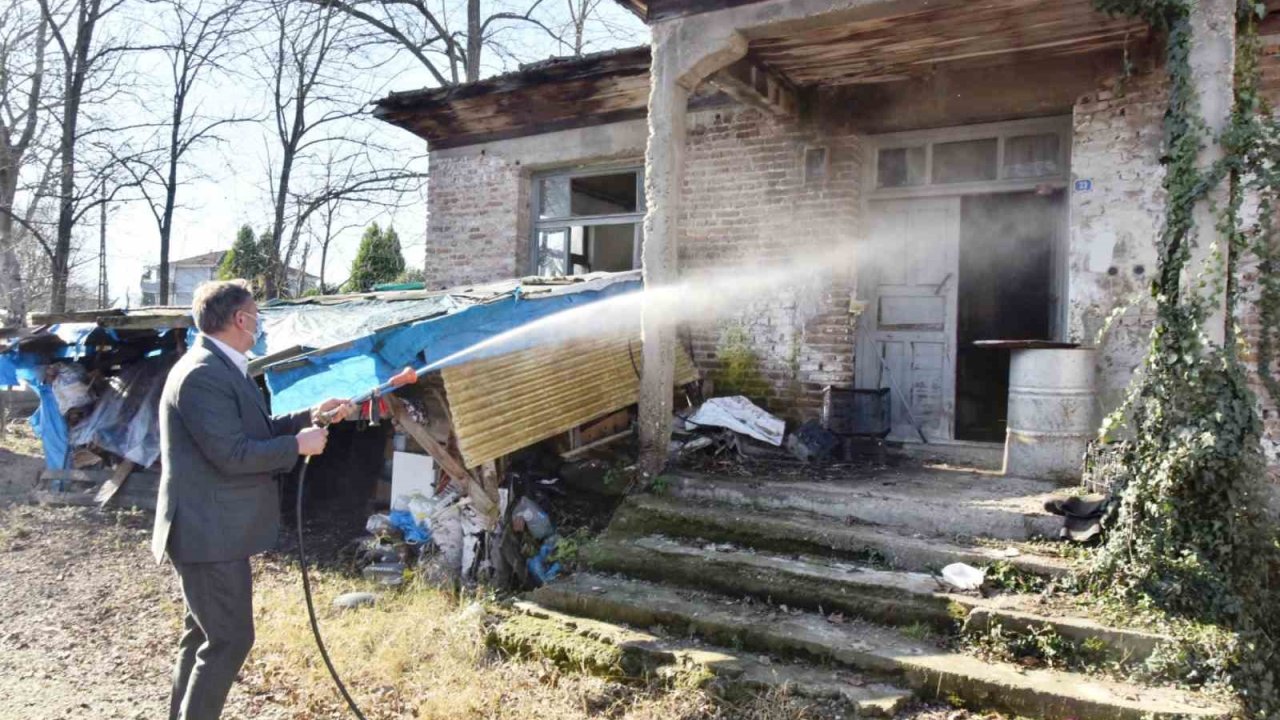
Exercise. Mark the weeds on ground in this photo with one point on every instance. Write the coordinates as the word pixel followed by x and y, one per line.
pixel 421 651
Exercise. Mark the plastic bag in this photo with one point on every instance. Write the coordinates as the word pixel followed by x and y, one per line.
pixel 535 518
pixel 413 533
pixel 70 387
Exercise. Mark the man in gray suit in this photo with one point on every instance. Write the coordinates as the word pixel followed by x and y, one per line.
pixel 219 500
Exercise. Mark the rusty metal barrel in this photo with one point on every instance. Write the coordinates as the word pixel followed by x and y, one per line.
pixel 1053 413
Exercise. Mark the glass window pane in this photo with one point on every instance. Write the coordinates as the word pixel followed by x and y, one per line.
pixel 900 167
pixel 1031 156
pixel 591 195
pixel 612 247
pixel 604 194
pixel 554 193
pixel 553 252
pixel 965 161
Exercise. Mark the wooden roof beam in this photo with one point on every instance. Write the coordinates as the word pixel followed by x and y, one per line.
pixel 753 84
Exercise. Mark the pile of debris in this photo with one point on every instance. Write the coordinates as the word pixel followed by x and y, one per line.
pixel 734 424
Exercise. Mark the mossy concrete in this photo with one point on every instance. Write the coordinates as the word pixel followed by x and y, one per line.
pixel 883 596
pixel 931 670
pixel 621 653
pixel 800 532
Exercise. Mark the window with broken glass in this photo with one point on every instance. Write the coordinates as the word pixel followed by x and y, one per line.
pixel 587 221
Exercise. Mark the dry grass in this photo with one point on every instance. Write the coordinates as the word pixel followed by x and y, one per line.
pixel 421 653
pixel 19 439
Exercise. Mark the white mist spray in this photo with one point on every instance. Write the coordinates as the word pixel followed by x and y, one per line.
pixel 699 297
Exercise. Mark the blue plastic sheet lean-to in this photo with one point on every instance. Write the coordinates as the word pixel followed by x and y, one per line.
pixel 372 359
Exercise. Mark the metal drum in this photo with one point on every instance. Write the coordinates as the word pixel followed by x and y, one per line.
pixel 1053 413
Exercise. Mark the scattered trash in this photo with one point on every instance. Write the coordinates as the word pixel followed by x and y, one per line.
pixel 379 525
pixel 538 566
pixel 811 442
pixel 70 386
pixel 390 574
pixel 740 415
pixel 1010 552
pixel 963 577
pixel 1082 516
pixel 353 600
pixel 404 521
pixel 534 518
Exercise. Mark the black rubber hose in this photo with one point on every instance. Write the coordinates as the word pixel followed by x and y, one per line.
pixel 311 609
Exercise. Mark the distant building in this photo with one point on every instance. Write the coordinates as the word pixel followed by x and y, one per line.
pixel 186 275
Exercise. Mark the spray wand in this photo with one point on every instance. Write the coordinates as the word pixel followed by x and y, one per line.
pixel 408 376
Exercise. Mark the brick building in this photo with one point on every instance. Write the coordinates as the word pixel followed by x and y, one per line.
pixel 995 166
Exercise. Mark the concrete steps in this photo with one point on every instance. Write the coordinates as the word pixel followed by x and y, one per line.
pixel 935 502
pixel 621 652
pixel 889 597
pixel 930 670
pixel 804 532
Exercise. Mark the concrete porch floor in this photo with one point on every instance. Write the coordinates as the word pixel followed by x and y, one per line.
pixel 905 492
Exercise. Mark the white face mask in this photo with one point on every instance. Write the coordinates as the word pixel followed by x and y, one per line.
pixel 256 335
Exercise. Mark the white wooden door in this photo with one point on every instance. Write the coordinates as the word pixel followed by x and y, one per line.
pixel 908 329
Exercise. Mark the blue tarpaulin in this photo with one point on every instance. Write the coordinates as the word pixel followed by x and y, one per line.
pixel 372 359
pixel 47 422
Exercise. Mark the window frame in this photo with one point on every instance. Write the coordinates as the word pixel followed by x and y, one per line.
pixel 540 224
pixel 1001 132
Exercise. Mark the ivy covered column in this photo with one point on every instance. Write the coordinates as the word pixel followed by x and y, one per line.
pixel 1211 60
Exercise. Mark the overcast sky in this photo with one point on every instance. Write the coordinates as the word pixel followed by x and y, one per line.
pixel 234 189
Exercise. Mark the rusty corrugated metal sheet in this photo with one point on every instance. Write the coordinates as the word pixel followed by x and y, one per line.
pixel 502 404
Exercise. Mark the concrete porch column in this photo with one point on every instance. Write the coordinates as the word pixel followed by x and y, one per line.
pixel 1212 59
pixel 678 65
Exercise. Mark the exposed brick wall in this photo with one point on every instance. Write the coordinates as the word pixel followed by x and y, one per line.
pixel 1114 228
pixel 746 201
pixel 476 222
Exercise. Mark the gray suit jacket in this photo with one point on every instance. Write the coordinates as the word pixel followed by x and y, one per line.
pixel 219 454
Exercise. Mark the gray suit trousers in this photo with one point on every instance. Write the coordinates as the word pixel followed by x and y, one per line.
pixel 217 635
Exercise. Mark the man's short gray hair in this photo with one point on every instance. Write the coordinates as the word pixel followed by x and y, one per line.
pixel 216 302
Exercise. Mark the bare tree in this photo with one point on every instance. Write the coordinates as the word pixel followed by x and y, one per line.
pixel 199 37
pixel 447 37
pixel 352 178
pixel 325 155
pixel 90 70
pixel 24 41
pixel 306 98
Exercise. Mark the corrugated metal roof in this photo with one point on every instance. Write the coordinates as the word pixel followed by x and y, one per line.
pixel 503 404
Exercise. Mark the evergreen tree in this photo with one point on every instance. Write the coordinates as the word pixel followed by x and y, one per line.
pixel 377 261
pixel 244 260
pixel 270 262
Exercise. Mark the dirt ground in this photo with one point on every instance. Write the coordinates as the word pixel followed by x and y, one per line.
pixel 89 624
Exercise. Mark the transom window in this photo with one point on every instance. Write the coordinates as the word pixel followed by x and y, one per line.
pixel 587 221
pixel 1006 153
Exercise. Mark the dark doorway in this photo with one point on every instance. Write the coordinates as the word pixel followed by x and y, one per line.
pixel 1005 293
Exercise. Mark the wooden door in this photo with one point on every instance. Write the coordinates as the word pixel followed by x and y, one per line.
pixel 907 331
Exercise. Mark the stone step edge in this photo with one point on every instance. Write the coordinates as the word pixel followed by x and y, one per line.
pixel 681 664
pixel 885 596
pixel 933 672
pixel 797 531
pixel 885 509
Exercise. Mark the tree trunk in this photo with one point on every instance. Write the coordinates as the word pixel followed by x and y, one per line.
pixel 270 284
pixel 77 67
pixel 11 285
pixel 170 198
